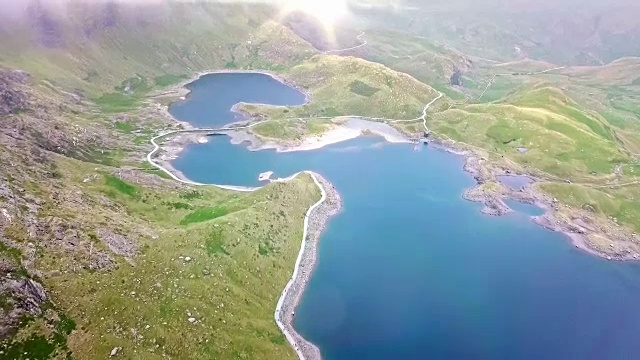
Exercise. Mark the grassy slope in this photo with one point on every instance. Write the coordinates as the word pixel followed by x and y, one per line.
pixel 422 59
pixel 241 259
pixel 291 129
pixel 565 141
pixel 352 86
pixel 619 203
pixel 561 139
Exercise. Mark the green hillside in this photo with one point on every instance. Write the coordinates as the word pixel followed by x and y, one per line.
pixel 561 139
pixel 352 86
pixel 430 63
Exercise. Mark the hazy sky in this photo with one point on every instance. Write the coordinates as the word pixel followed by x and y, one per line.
pixel 16 8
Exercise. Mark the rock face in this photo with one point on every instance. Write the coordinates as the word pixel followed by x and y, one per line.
pixel 43 123
pixel 24 297
pixel 12 99
pixel 456 77
pixel 117 243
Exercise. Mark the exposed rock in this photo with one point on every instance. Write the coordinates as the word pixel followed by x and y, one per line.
pixel 25 296
pixel 115 351
pixel 118 243
pixel 456 77
pixel 101 261
pixel 12 99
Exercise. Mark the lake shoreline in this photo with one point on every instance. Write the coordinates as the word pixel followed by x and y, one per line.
pixel 316 221
pixel 575 225
pixel 181 90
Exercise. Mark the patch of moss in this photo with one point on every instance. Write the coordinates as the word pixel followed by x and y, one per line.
pixel 168 79
pixel 214 243
pixel 362 89
pixel 124 126
pixel 502 134
pixel 117 102
pixel 121 186
pixel 265 249
pixel 191 195
pixel 179 205
pixel 66 325
pixel 204 214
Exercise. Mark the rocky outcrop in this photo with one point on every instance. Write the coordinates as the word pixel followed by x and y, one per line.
pixel 12 99
pixel 118 243
pixel 493 204
pixel 456 77
pixel 22 297
pixel 31 120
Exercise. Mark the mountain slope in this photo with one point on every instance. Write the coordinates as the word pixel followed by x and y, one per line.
pixel 560 138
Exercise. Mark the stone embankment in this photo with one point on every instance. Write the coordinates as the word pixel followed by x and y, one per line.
pixel 317 221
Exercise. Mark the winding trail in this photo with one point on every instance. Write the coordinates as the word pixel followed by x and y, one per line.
pixel 493 78
pixel 359 38
pixel 424 113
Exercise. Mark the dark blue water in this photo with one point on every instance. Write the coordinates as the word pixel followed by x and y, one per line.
pixel 410 270
pixel 212 96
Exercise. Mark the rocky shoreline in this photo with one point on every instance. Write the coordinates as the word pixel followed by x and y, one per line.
pixel 583 229
pixel 317 220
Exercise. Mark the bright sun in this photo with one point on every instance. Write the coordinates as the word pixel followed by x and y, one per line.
pixel 327 11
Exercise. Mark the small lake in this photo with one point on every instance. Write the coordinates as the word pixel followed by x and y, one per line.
pixel 515 182
pixel 212 96
pixel 410 270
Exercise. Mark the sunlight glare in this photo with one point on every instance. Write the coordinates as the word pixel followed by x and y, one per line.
pixel 326 11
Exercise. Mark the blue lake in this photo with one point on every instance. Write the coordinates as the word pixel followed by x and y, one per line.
pixel 410 270
pixel 212 96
